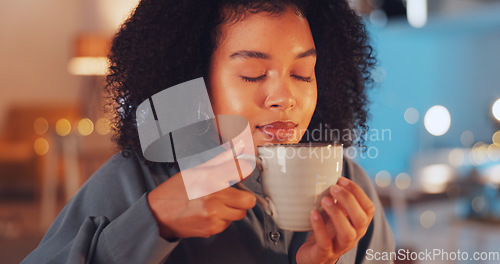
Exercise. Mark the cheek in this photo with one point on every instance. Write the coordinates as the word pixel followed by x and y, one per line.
pixel 227 98
pixel 218 88
pixel 309 102
pixel 231 103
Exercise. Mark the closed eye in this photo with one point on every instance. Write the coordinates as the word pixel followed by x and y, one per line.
pixel 301 78
pixel 253 79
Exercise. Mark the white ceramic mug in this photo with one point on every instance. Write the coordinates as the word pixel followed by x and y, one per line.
pixel 294 179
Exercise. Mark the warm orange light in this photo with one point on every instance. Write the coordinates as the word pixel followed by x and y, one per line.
pixel 85 127
pixel 102 126
pixel 63 127
pixel 41 146
pixel 41 125
pixel 88 66
pixel 90 57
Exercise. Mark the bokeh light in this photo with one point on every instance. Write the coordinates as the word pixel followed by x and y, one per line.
pixel 467 138
pixel 85 127
pixel 478 204
pixel 416 12
pixel 411 115
pixel 496 138
pixel 403 181
pixel 102 126
pixel 456 157
pixel 41 125
pixel 428 219
pixel 493 175
pixel 436 177
pixel 495 110
pixel 41 146
pixel 493 152
pixel 479 155
pixel 378 18
pixel 383 179
pixel 63 127
pixel 437 120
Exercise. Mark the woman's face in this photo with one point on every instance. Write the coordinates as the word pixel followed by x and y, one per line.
pixel 263 70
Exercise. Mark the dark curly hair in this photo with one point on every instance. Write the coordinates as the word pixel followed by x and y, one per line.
pixel 167 42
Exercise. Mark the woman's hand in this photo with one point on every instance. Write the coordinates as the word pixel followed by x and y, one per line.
pixel 179 217
pixel 346 222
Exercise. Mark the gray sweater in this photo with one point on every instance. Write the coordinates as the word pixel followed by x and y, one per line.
pixel 109 221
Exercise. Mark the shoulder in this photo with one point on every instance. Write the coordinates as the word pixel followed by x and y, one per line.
pixel 120 164
pixel 118 168
pixel 111 191
pixel 120 179
pixel 353 171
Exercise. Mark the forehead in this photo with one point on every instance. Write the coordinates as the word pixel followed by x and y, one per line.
pixel 253 30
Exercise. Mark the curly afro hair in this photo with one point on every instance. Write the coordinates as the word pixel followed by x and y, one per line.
pixel 167 42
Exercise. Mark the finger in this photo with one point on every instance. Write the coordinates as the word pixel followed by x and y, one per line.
pixel 363 199
pixel 346 234
pixel 232 214
pixel 348 203
pixel 237 199
pixel 323 240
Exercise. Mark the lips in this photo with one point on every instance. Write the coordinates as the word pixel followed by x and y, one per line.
pixel 279 130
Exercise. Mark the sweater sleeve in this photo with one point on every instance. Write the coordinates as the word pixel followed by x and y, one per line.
pixel 108 221
pixel 378 237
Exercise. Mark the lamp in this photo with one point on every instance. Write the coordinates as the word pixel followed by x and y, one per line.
pixel 90 55
pixel 90 61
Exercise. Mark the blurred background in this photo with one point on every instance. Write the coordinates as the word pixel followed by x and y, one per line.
pixel 432 150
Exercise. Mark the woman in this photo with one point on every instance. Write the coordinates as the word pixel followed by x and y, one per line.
pixel 283 65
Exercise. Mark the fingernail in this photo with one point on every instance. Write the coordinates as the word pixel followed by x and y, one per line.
pixel 315 215
pixel 328 201
pixel 343 182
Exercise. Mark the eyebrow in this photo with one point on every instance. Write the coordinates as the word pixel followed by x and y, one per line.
pixel 310 52
pixel 245 54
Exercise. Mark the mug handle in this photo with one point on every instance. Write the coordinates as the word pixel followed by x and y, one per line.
pixel 265 203
pixel 259 163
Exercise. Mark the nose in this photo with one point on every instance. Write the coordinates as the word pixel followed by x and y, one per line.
pixel 280 96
